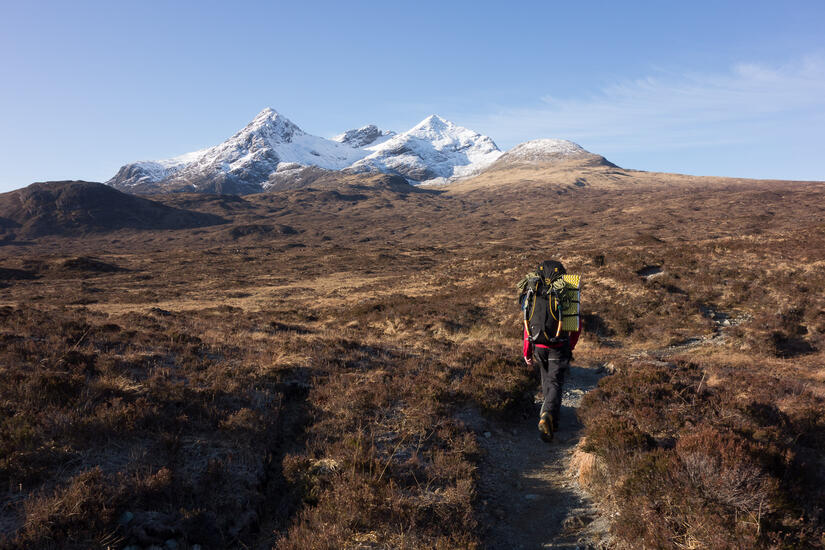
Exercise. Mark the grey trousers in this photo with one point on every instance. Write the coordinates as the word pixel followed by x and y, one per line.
pixel 553 363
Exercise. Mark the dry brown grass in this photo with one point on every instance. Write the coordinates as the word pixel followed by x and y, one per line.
pixel 301 389
pixel 586 467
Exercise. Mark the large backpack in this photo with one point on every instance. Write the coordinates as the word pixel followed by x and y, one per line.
pixel 549 299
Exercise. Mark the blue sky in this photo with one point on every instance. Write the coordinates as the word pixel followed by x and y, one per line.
pixel 709 88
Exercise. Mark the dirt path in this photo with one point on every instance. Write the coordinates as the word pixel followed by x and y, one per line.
pixel 531 499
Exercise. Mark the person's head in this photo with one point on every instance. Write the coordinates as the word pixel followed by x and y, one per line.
pixel 550 268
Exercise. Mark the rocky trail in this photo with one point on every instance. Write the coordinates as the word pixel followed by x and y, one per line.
pixel 527 489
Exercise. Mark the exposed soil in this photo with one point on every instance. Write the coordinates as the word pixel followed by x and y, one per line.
pixel 722 322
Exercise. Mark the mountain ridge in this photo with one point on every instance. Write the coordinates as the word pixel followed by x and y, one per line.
pixel 242 163
pixel 271 152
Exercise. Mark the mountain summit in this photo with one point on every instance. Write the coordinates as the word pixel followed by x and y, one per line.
pixel 433 151
pixel 543 152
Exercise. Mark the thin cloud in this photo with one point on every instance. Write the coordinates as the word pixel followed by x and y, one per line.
pixel 671 111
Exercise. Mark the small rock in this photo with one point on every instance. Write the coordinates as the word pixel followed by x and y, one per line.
pixel 196 547
pixel 514 431
pixel 726 323
pixel 576 522
pixel 487 435
pixel 171 544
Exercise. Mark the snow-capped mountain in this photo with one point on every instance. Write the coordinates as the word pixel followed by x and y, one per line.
pixel 366 135
pixel 151 171
pixel 243 163
pixel 434 151
pixel 271 150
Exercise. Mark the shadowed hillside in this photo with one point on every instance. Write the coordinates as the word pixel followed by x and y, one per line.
pixel 79 207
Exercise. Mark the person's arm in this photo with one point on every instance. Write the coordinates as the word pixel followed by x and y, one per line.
pixel 527 350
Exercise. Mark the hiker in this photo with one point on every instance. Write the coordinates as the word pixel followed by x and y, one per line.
pixel 549 301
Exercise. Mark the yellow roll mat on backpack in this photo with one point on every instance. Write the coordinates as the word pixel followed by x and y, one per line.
pixel 571 312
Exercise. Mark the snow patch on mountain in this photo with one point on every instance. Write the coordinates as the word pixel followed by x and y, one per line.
pixel 432 152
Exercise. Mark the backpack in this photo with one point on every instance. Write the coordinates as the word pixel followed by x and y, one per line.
pixel 549 299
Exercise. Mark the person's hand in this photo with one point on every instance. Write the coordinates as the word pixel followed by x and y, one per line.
pixel 529 361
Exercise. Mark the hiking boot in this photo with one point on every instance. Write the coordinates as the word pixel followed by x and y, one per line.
pixel 546 426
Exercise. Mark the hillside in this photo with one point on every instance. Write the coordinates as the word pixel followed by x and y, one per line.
pixel 337 366
pixel 558 162
pixel 79 207
pixel 543 152
pixel 565 167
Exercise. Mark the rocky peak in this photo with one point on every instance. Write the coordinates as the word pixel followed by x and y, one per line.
pixel 362 137
pixel 271 126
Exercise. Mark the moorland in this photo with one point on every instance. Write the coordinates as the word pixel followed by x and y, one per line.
pixel 296 368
